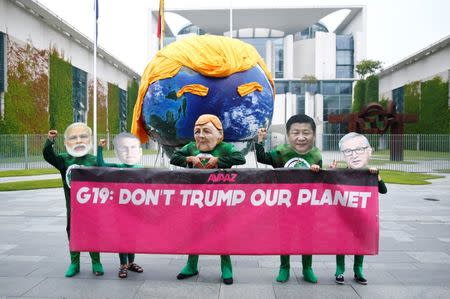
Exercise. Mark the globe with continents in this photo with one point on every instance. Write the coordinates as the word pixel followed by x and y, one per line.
pixel 243 100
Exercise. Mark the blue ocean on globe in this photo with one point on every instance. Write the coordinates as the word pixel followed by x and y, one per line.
pixel 170 120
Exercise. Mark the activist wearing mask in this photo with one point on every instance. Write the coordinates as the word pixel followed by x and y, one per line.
pixel 301 153
pixel 78 143
pixel 127 148
pixel 208 151
pixel 356 151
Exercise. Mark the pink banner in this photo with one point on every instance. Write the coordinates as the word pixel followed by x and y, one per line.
pixel 235 211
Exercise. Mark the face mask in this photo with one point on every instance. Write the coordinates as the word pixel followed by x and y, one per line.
pixel 79 150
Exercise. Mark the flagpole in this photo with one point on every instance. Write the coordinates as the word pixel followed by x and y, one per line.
pixel 231 18
pixel 161 24
pixel 94 105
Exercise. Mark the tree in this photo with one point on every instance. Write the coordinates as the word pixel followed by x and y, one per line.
pixel 368 67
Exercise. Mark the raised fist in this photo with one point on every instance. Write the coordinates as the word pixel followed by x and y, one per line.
pixel 102 143
pixel 52 134
pixel 262 134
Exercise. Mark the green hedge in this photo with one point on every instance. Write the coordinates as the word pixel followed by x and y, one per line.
pixel 26 99
pixel 371 93
pixel 113 109
pixel 434 107
pixel 412 105
pixel 60 99
pixel 132 94
pixel 359 96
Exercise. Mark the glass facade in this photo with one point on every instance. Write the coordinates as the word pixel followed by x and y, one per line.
pixel 310 32
pixel 337 98
pixel 344 56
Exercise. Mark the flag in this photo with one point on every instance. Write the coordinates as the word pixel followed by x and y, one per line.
pixel 160 32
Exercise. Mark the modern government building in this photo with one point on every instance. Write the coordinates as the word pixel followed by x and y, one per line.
pixel 432 61
pixel 313 66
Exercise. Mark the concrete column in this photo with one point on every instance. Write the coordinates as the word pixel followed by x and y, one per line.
pixel 269 56
pixel 278 109
pixel 325 64
pixel 318 118
pixel 288 56
pixel 309 104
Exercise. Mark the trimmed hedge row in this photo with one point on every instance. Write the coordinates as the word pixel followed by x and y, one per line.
pixel 113 109
pixel 132 94
pixel 26 99
pixel 60 96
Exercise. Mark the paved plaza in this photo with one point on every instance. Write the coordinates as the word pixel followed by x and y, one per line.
pixel 414 258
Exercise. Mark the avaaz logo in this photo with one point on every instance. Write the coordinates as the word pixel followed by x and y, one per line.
pixel 222 177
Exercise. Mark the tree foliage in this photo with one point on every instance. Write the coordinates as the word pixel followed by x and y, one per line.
pixel 359 96
pixel 368 67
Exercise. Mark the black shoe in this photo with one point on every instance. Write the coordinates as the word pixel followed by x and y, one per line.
pixel 340 279
pixel 360 280
pixel 181 276
pixel 228 280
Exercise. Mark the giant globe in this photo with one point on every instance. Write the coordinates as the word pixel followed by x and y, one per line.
pixel 169 115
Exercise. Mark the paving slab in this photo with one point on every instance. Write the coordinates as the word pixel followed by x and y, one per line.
pixel 413 259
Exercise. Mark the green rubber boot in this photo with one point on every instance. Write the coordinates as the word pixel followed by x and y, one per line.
pixel 358 266
pixel 226 267
pixel 74 267
pixel 191 266
pixel 97 267
pixel 340 265
pixel 285 266
pixel 308 273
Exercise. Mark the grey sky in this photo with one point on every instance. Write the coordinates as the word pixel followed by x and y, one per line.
pixel 395 28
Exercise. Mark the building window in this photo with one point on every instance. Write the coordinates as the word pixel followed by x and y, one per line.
pixel 398 96
pixel 279 58
pixel 344 56
pixel 344 42
pixel 310 32
pixel 122 110
pixel 79 95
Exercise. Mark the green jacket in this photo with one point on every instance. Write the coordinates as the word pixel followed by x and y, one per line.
pixel 226 152
pixel 284 153
pixel 62 162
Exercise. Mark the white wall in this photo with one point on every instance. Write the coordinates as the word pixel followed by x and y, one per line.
pixel 304 58
pixel 437 63
pixel 23 26
pixel 359 45
pixel 325 62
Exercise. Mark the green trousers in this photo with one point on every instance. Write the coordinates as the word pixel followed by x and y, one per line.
pixel 75 257
pixel 126 258
pixel 225 266
pixel 357 265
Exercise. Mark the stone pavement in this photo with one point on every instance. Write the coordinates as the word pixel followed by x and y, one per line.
pixel 414 258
